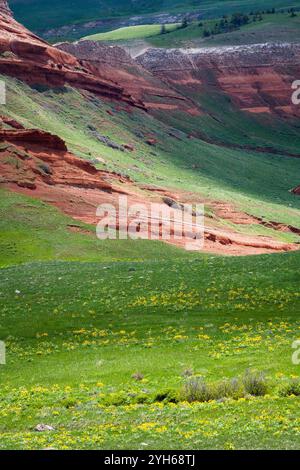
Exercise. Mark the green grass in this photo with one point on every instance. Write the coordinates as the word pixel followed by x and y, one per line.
pixel 70 358
pixel 31 230
pixel 46 15
pixel 131 32
pixel 273 28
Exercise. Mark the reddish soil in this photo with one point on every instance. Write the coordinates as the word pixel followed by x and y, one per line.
pixel 296 190
pixel 38 164
pixel 23 55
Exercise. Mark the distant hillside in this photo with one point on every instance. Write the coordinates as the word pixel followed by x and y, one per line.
pixel 257 29
pixel 42 16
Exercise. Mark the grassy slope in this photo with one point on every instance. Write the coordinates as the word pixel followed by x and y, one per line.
pixel 71 357
pixel 273 27
pixel 131 32
pixel 77 332
pixel 47 14
pixel 257 182
pixel 31 230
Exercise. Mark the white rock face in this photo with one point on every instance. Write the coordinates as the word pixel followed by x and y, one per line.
pixel 226 56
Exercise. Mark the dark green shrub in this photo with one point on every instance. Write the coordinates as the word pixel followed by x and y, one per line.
pixel 167 396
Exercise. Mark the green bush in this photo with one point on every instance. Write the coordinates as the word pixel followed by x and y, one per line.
pixel 116 399
pixel 292 388
pixel 230 389
pixel 255 383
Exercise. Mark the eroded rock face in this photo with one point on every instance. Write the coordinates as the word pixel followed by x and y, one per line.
pixel 23 55
pixel 257 77
pixel 33 158
pixel 113 61
pixel 4 8
pixel 33 136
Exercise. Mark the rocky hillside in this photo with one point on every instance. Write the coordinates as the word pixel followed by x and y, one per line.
pixel 23 55
pixel 5 8
pixel 258 78
pixel 142 84
pixel 154 129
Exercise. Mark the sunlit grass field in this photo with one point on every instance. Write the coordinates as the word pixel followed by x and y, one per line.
pixel 98 350
pixel 131 32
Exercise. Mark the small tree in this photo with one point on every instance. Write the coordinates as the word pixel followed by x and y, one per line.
pixel 163 29
pixel 239 19
pixel 184 23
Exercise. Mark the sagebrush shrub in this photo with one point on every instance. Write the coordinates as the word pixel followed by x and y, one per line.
pixel 255 383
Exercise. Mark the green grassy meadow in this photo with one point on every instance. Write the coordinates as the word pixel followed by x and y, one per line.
pixel 279 27
pixel 96 350
pixel 272 28
pixel 131 32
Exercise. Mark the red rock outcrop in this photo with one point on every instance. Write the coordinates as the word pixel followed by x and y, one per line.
pixel 5 8
pixel 296 190
pixel 38 164
pixel 114 61
pixel 23 55
pixel 33 136
pixel 29 158
pixel 258 78
pixel 10 122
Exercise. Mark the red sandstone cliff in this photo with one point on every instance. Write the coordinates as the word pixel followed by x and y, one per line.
pixel 23 55
pixel 258 78
pixel 114 61
pixel 5 8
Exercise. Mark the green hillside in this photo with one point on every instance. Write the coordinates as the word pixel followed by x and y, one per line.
pixel 270 28
pixel 39 15
pixel 31 230
pixel 131 32
pixel 257 182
